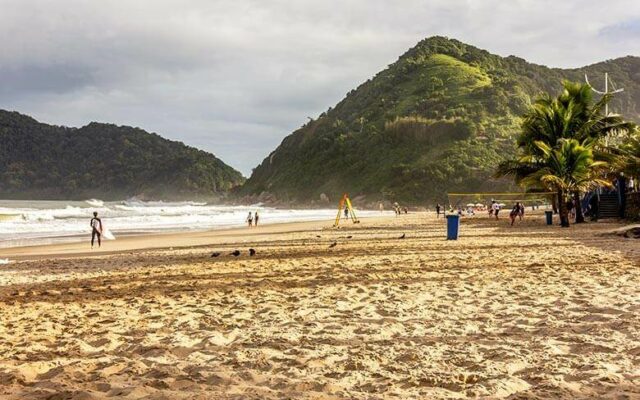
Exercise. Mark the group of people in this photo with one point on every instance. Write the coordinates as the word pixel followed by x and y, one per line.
pixel 399 210
pixel 516 212
pixel 253 219
pixel 630 184
pixel 494 211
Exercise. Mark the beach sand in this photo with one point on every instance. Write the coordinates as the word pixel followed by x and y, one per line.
pixel 529 311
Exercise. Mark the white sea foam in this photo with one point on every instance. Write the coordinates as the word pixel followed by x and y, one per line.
pixel 35 222
pixel 95 202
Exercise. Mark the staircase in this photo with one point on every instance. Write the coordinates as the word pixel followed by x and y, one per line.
pixel 608 206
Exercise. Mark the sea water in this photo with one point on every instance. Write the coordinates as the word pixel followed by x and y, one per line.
pixel 24 223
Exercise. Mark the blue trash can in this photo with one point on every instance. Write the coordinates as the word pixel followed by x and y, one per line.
pixel 549 215
pixel 453 226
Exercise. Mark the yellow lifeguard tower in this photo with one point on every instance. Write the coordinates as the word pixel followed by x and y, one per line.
pixel 345 207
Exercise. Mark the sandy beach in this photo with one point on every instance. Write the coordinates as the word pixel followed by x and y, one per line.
pixel 523 312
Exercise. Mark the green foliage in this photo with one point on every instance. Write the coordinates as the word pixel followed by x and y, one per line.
pixel 103 161
pixel 573 114
pixel 569 167
pixel 439 119
pixel 630 154
pixel 557 144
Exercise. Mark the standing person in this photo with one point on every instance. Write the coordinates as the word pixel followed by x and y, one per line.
pixel 96 229
pixel 495 208
pixel 515 211
pixel 381 207
pixel 632 184
pixel 250 219
pixel 571 208
pixel 521 215
pixel 438 207
pixel 593 207
pixel 256 217
pixel 346 212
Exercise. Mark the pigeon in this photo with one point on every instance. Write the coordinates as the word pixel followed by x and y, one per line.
pixel 236 253
pixel 402 237
pixel 334 244
pixel 252 252
pixel 216 254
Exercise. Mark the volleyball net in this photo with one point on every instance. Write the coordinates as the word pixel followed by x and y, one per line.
pixel 505 199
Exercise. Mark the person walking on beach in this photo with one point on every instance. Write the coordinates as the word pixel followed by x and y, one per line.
pixel 256 217
pixel 438 207
pixel 250 219
pixel 96 229
pixel 495 207
pixel 515 212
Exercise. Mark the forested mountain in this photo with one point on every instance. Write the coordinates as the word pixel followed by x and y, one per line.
pixel 40 161
pixel 439 119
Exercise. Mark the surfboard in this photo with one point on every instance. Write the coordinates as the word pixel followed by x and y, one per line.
pixel 106 233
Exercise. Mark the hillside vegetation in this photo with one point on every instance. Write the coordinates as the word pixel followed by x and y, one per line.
pixel 440 119
pixel 39 161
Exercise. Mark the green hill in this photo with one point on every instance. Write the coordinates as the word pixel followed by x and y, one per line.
pixel 439 119
pixel 39 161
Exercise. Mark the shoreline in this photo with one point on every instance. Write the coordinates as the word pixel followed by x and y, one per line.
pixel 166 240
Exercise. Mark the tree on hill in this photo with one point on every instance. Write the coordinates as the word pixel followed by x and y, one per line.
pixel 40 161
pixel 563 145
pixel 437 120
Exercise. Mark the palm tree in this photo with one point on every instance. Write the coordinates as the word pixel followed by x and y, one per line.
pixel 568 168
pixel 630 155
pixel 571 115
pixel 551 121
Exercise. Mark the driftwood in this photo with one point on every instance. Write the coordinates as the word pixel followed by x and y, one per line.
pixel 629 231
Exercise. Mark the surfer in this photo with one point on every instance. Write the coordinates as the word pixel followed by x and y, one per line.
pixel 96 229
pixel 256 217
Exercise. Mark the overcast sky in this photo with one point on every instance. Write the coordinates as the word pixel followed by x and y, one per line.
pixel 235 77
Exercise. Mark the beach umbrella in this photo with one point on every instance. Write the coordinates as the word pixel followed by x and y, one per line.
pixel 471 205
pixel 479 205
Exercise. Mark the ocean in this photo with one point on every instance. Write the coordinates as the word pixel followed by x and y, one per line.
pixel 25 222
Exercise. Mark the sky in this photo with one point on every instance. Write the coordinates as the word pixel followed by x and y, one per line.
pixel 234 77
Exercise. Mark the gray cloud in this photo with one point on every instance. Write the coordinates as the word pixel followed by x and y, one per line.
pixel 627 31
pixel 235 77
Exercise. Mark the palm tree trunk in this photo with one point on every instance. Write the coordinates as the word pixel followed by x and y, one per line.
pixel 564 211
pixel 579 215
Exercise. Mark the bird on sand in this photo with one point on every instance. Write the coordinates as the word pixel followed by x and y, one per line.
pixel 236 253
pixel 216 254
pixel 403 236
pixel 252 252
pixel 334 244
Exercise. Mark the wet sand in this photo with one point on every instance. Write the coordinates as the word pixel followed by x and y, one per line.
pixel 519 312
